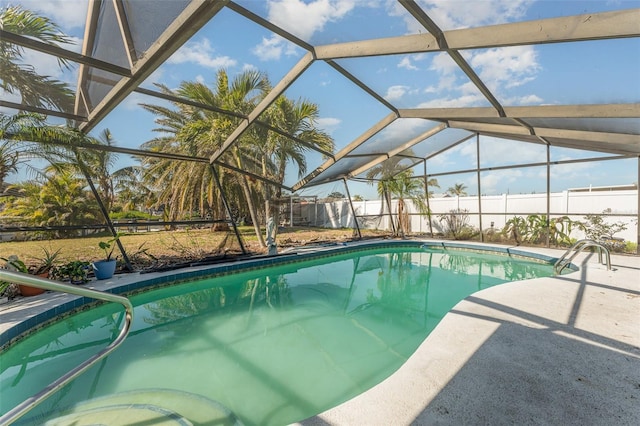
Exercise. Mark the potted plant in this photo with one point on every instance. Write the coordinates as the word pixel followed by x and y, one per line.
pixel 13 263
pixel 75 272
pixel 104 269
pixel 46 263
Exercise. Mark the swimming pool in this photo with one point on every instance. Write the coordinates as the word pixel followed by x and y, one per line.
pixel 272 345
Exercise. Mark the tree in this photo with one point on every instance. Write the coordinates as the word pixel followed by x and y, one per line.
pixel 298 119
pixel 201 132
pixel 56 198
pixel 130 189
pixel 336 194
pixel 12 150
pixel 9 149
pixel 62 147
pixel 18 77
pixel 398 181
pixel 187 186
pixel 458 190
pixel 403 186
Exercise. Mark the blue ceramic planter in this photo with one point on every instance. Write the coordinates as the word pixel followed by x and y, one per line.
pixel 104 269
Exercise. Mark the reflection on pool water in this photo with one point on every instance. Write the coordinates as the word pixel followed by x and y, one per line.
pixel 273 345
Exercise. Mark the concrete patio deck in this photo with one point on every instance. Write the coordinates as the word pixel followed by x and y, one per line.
pixel 557 351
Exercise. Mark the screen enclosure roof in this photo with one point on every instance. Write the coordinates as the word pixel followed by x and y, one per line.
pixel 405 112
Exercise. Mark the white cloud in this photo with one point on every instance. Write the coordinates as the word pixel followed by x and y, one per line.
pixel 306 18
pixel 500 69
pixel 450 15
pixel 494 182
pixel 452 102
pixel 155 77
pixel 133 101
pixel 272 49
pixel 249 67
pixel 506 66
pixel 524 100
pixel 406 63
pixel 201 53
pixel 571 170
pixel 67 14
pixel 396 92
pixel 47 65
pixel 329 124
pixel 443 64
pixel 497 151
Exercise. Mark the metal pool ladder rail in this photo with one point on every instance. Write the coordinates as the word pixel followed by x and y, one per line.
pixel 575 249
pixel 31 280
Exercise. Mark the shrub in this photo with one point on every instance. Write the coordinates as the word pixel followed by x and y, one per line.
pixel 456 225
pixel 131 214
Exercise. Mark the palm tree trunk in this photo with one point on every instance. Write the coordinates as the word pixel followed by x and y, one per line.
pixel 252 208
pixel 403 218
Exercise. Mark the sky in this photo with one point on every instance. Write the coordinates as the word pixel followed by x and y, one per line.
pixel 584 72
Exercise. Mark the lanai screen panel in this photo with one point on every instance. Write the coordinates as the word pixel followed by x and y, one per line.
pixel 149 18
pixel 440 142
pixel 396 134
pixel 339 170
pixel 518 66
pixel 121 37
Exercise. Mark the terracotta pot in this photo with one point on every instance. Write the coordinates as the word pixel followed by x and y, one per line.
pixel 27 291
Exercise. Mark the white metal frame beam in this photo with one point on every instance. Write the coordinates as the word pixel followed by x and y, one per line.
pixel 193 17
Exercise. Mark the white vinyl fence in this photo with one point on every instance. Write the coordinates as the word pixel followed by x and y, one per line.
pixel 496 210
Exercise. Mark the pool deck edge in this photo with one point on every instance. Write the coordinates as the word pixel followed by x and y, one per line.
pixel 560 350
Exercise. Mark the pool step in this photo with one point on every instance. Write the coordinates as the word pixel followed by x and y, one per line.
pixel 164 407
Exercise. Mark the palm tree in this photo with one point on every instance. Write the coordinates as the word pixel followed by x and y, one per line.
pixel 403 186
pixel 130 189
pixel 99 164
pixel 9 152
pixel 298 119
pixel 56 198
pixel 398 181
pixel 12 150
pixel 16 76
pixel 458 189
pixel 193 131
pixel 60 146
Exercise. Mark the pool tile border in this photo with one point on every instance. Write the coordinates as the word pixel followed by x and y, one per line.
pixel 73 304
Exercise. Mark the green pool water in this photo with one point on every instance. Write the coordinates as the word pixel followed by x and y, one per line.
pixel 273 345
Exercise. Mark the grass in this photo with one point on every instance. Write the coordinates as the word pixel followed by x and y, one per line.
pixel 144 248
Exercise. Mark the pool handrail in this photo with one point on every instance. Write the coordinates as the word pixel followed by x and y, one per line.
pixel 575 249
pixel 46 284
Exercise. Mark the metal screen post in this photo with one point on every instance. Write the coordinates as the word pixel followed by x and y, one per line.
pixel 226 207
pixel 479 187
pixel 388 199
pixel 105 213
pixel 355 218
pixel 426 193
pixel 548 194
